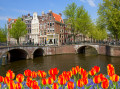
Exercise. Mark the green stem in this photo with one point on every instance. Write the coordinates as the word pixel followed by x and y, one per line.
pixel 85 86
pixel 97 86
pixel 78 75
pixel 62 86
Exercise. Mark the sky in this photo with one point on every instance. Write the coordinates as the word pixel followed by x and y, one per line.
pixel 17 8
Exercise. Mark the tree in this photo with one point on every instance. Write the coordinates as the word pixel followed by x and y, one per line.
pixel 78 19
pixel 109 13
pixel 18 29
pixel 3 34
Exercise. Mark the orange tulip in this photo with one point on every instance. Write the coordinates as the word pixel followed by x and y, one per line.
pixel 28 79
pixel 34 83
pixel 29 83
pixel 18 86
pixel 69 73
pixel 96 79
pixel 1 79
pixel 77 68
pixel 61 80
pixel 55 86
pixel 105 84
pixel 101 77
pixel 10 74
pixel 11 85
pixel 70 85
pixel 50 80
pixel 84 74
pixel 81 71
pixel 114 78
pixel 27 73
pixel 20 78
pixel 44 81
pixel 33 74
pixel 80 83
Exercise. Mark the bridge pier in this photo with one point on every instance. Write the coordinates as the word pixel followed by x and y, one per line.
pixel 3 60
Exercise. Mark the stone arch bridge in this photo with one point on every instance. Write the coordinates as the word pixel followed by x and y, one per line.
pixel 30 52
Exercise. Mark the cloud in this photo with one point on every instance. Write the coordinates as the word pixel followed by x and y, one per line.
pixel 90 2
pixel 3 17
pixel 21 11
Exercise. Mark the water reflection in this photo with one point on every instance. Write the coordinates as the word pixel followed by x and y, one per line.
pixel 62 62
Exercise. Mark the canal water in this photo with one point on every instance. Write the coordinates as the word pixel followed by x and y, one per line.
pixel 63 63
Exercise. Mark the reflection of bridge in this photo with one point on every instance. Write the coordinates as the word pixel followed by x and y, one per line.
pixel 30 52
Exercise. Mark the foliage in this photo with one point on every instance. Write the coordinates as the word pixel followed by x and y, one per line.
pixel 18 29
pixel 3 34
pixel 109 13
pixel 78 19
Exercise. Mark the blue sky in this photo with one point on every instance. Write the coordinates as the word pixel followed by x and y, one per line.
pixel 17 8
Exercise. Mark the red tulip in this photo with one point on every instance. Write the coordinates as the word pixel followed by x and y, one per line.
pixel 50 80
pixel 85 81
pixel 33 74
pixel 10 74
pixel 96 79
pixel 105 84
pixel 81 71
pixel 70 85
pixel 97 69
pixel 80 83
pixel 18 86
pixel 53 71
pixel 55 86
pixel 35 87
pixel 28 79
pixel 41 74
pixel 6 80
pixel 92 72
pixel 20 78
pixel 61 80
pixel 101 77
pixel 27 73
pixel 114 78
pixel 84 74
pixel 44 81
pixel 1 79
pixel 74 71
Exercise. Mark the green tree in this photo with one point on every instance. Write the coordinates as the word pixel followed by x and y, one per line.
pixel 109 13
pixel 78 19
pixel 3 34
pixel 18 29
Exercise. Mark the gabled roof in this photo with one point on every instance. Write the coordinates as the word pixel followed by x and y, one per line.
pixel 57 18
pixel 9 19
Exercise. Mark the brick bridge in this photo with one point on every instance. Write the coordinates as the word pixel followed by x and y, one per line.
pixel 29 52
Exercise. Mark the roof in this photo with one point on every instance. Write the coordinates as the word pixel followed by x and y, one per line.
pixel 9 19
pixel 57 17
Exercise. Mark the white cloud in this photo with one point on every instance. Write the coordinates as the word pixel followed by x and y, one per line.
pixel 3 17
pixel 90 2
pixel 21 11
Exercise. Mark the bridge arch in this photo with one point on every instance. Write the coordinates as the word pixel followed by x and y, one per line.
pixel 82 49
pixel 15 54
pixel 38 52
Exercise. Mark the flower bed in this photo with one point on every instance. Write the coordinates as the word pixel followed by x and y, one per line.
pixel 76 78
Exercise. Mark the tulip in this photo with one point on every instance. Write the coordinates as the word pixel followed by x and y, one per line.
pixel 84 74
pixel 10 74
pixel 70 85
pixel 80 83
pixel 35 87
pixel 81 71
pixel 114 78
pixel 1 79
pixel 74 71
pixel 44 81
pixel 11 85
pixel 96 79
pixel 55 86
pixel 41 74
pixel 85 81
pixel 50 80
pixel 28 79
pixel 20 78
pixel 18 86
pixel 33 74
pixel 34 83
pixel 97 69
pixel 6 80
pixel 53 71
pixel 101 77
pixel 92 72
pixel 29 83
pixel 61 80
pixel 105 84
pixel 27 73
pixel 77 68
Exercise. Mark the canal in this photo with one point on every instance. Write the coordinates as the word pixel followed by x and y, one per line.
pixel 63 63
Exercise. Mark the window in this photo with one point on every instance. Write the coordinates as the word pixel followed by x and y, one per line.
pixel 30 30
pixel 44 32
pixel 50 18
pixel 60 35
pixel 50 14
pixel 53 23
pixel 50 24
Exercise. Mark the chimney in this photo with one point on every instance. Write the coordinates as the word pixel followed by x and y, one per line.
pixel 50 11
pixel 60 14
pixel 43 13
pixel 28 14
